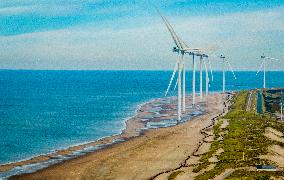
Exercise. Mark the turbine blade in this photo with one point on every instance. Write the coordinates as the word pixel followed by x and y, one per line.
pixel 171 30
pixel 176 84
pixel 260 67
pixel 213 48
pixel 211 71
pixel 172 77
pixel 206 70
pixel 184 45
pixel 177 78
pixel 231 68
pixel 273 58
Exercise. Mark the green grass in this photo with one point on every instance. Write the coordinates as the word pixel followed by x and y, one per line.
pixel 243 174
pixel 245 135
pixel 173 175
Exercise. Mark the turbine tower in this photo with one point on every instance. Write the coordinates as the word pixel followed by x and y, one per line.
pixel 195 52
pixel 224 62
pixel 223 72
pixel 183 87
pixel 200 77
pixel 281 107
pixel 202 62
pixel 199 53
pixel 179 63
pixel 193 80
pixel 206 78
pixel 264 58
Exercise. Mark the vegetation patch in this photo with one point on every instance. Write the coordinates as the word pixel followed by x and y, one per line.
pixel 204 160
pixel 243 174
pixel 174 175
pixel 243 141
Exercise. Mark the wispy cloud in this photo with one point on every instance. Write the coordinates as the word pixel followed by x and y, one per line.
pixel 139 41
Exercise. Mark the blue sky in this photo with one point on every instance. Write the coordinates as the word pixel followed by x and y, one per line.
pixel 124 34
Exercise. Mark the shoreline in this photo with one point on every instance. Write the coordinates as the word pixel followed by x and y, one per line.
pixel 80 144
pixel 135 126
pixel 4 168
pixel 141 157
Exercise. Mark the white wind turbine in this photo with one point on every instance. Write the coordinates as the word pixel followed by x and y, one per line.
pixel 224 62
pixel 264 67
pixel 203 61
pixel 178 66
pixel 181 48
pixel 194 52
pixel 199 52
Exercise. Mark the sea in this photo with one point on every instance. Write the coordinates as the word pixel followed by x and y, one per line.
pixel 43 111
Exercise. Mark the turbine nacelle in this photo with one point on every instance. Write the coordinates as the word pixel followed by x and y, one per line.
pixel 175 49
pixel 178 50
pixel 201 55
pixel 269 58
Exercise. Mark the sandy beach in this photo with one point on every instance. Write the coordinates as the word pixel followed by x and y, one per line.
pixel 152 155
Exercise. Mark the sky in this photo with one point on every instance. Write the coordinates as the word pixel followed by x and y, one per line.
pixel 130 35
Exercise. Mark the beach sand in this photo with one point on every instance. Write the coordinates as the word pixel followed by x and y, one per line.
pixel 154 154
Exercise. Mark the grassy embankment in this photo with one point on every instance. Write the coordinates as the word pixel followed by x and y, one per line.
pixel 242 141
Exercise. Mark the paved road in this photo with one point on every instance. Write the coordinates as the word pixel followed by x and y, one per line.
pixel 249 101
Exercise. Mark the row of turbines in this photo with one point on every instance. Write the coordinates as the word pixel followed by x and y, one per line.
pixel 182 49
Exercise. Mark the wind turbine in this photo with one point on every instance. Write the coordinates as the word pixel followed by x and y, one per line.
pixel 199 52
pixel 264 67
pixel 202 56
pixel 196 52
pixel 203 61
pixel 224 62
pixel 181 48
pixel 178 66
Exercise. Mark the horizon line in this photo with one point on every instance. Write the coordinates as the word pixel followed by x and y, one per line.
pixel 127 70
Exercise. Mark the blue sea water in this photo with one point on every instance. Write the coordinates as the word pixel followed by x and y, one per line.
pixel 41 111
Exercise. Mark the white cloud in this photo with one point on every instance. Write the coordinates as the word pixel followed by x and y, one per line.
pixel 14 10
pixel 241 36
pixel 40 9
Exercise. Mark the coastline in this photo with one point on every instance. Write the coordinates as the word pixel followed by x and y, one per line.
pixel 101 155
pixel 79 144
pixel 134 126
pixel 99 143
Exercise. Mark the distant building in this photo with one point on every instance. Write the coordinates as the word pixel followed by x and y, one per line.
pixel 265 168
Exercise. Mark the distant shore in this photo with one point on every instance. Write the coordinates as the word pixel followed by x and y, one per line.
pixel 137 156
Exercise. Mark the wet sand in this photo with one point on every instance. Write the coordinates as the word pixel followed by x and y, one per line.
pixel 146 156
